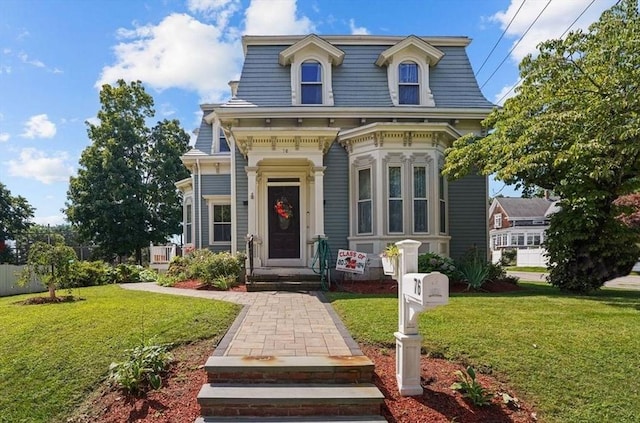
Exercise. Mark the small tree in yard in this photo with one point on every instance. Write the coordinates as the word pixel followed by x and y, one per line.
pixel 574 129
pixel 51 263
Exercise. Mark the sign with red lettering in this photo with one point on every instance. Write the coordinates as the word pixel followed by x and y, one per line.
pixel 351 261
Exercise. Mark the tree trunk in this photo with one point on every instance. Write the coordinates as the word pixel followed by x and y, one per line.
pixel 52 290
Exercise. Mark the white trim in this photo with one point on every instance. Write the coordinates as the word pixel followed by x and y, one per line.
pixel 219 200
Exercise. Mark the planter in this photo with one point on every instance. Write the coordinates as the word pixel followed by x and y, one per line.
pixel 388 265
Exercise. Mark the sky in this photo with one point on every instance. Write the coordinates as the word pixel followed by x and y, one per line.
pixel 56 54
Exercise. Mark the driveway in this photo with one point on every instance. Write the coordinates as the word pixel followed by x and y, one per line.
pixel 625 282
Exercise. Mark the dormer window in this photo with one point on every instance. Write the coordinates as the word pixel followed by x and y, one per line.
pixel 408 63
pixel 311 60
pixel 408 83
pixel 311 83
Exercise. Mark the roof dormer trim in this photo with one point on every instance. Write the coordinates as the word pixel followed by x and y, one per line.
pixel 432 54
pixel 287 56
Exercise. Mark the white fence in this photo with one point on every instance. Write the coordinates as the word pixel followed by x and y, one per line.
pixel 9 275
pixel 160 256
pixel 534 257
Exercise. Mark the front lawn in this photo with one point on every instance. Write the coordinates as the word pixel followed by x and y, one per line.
pixel 52 356
pixel 574 358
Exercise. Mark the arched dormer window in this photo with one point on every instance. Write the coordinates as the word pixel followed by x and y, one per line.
pixel 408 83
pixel 311 82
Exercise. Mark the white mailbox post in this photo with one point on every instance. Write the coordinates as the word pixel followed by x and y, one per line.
pixel 417 292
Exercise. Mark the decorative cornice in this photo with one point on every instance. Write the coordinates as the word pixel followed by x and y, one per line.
pixel 431 54
pixel 335 55
pixel 295 138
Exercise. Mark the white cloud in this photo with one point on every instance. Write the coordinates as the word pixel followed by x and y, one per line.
pixel 4 137
pixel 555 19
pixel 357 30
pixel 35 164
pixel 39 126
pixel 505 93
pixel 92 120
pixel 275 17
pixel 5 69
pixel 219 10
pixel 57 219
pixel 34 62
pixel 179 52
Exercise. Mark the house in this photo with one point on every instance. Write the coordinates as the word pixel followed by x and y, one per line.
pixel 518 223
pixel 339 138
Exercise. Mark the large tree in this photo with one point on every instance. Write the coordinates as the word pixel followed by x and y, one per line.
pixel 124 195
pixel 573 128
pixel 15 218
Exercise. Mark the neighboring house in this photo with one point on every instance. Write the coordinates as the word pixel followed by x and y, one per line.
pixel 516 223
pixel 339 137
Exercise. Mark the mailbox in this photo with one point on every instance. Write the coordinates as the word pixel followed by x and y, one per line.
pixel 426 289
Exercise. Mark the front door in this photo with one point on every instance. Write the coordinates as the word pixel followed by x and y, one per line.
pixel 284 222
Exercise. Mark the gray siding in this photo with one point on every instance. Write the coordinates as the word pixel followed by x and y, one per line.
pixel 241 196
pixel 468 215
pixel 336 197
pixel 204 140
pixel 358 82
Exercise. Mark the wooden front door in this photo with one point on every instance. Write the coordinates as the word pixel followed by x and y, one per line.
pixel 284 222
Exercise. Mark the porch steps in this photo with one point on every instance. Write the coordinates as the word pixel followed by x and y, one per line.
pixel 290 389
pixel 283 282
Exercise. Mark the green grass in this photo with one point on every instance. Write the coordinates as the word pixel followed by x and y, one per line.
pixel 533 269
pixel 575 358
pixel 52 356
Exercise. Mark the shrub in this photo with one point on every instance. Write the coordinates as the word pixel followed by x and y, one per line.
pixel 225 283
pixel 142 369
pixel 474 269
pixel 124 273
pixel 178 268
pixel 432 262
pixel 89 273
pixel 148 275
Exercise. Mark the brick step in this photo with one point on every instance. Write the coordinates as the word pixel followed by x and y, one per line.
pixel 290 286
pixel 260 400
pixel 297 419
pixel 313 369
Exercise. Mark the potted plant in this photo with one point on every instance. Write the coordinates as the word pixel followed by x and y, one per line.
pixel 389 259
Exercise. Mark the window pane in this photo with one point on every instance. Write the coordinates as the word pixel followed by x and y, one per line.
pixel 420 216
pixel 222 232
pixel 395 215
pixel 311 72
pixel 311 94
pixel 223 145
pixel 409 94
pixel 443 217
pixel 395 182
pixel 222 213
pixel 408 73
pixel 188 213
pixel 364 184
pixel 188 234
pixel 420 182
pixel 364 217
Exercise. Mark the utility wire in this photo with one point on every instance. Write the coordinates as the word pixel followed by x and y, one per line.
pixel 562 35
pixel 516 44
pixel 499 39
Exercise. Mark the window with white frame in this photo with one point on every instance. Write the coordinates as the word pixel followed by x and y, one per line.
pixel 223 145
pixel 188 223
pixel 311 83
pixel 408 83
pixel 497 220
pixel 420 202
pixel 365 202
pixel 395 208
pixel 534 239
pixel 221 223
pixel 443 202
pixel 517 239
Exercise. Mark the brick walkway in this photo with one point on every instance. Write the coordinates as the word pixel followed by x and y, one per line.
pixel 275 323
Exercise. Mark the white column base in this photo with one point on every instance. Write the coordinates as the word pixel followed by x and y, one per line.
pixel 408 364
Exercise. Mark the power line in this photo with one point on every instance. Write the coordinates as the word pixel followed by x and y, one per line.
pixel 499 39
pixel 562 35
pixel 516 44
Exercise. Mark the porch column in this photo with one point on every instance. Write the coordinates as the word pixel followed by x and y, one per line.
pixel 251 199
pixel 318 176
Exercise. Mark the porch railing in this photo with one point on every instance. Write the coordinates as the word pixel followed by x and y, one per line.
pixel 250 251
pixel 162 254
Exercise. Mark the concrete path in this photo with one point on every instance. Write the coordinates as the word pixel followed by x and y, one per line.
pixel 631 282
pixel 275 323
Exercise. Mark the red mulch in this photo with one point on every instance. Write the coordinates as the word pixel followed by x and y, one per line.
pixel 176 402
pixel 196 284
